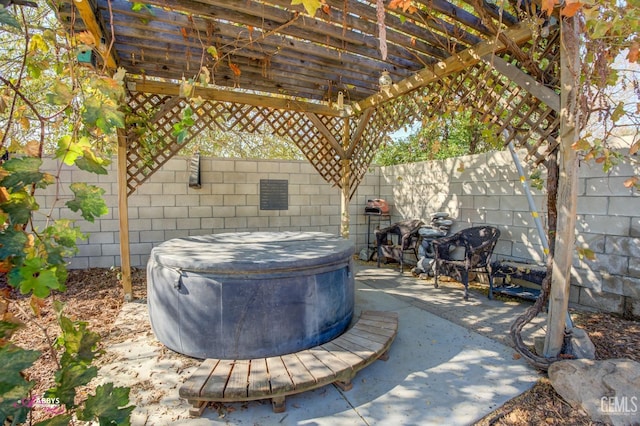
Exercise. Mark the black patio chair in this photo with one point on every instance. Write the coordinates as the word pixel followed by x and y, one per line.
pixel 407 232
pixel 478 243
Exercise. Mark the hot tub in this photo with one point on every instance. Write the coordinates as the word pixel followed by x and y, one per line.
pixel 250 294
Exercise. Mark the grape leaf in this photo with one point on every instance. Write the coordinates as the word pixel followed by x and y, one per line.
pixel 37 42
pixel 7 328
pixel 586 253
pixel 68 151
pixel 37 276
pixel 634 51
pixel 64 232
pixel 19 207
pixel 88 199
pixel 618 112
pixel 90 165
pixel 581 144
pixel 547 6
pixel 13 386
pixel 104 114
pixel 67 379
pixel 105 406
pixel 12 242
pixel 86 38
pixel 571 8
pixel 59 420
pixel 311 6
pixel 631 182
pixel 24 172
pixel 80 344
pixel 8 19
pixel 61 94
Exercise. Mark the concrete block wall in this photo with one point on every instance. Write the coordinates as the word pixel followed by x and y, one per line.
pixel 485 189
pixel 475 190
pixel 164 207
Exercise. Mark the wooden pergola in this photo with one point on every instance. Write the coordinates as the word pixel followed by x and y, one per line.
pixel 268 66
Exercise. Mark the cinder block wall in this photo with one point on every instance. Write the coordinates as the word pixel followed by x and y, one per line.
pixel 165 207
pixel 485 189
pixel 481 189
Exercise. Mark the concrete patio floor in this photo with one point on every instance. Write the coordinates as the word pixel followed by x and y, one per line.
pixel 449 364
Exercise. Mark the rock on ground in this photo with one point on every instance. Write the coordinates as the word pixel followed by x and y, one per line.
pixel 608 390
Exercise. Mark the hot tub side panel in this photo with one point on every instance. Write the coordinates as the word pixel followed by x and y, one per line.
pixel 249 317
pixel 163 305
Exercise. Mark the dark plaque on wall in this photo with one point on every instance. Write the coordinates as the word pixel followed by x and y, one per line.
pixel 274 194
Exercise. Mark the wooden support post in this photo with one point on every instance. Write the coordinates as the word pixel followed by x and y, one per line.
pixel 123 215
pixel 345 183
pixel 567 188
pixel 88 15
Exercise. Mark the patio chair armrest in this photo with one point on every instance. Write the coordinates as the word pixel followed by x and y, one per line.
pixel 442 246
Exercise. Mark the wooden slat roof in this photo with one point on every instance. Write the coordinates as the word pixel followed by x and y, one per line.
pixel 279 49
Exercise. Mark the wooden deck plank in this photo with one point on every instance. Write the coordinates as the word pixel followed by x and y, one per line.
pixel 320 372
pixel 389 317
pixel 258 379
pixel 191 388
pixel 278 376
pixel 300 377
pixel 366 334
pixel 328 358
pixel 393 316
pixel 238 380
pixel 362 351
pixel 344 354
pixel 384 333
pixel 380 324
pixel 368 344
pixel 214 388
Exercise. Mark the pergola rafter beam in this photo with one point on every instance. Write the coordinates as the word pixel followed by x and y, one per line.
pixel 87 13
pixel 303 28
pixel 366 20
pixel 172 89
pixel 458 14
pixel 528 83
pixel 518 34
pixel 284 66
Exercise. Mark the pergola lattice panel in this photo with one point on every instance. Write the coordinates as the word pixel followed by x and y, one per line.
pixel 156 116
pixel 528 122
pixel 516 115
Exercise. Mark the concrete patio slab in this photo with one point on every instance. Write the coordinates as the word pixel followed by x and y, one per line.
pixel 446 366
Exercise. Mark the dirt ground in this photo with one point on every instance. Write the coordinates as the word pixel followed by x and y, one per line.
pixel 95 296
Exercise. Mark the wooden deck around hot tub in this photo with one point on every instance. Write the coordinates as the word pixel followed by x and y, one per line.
pixel 274 378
